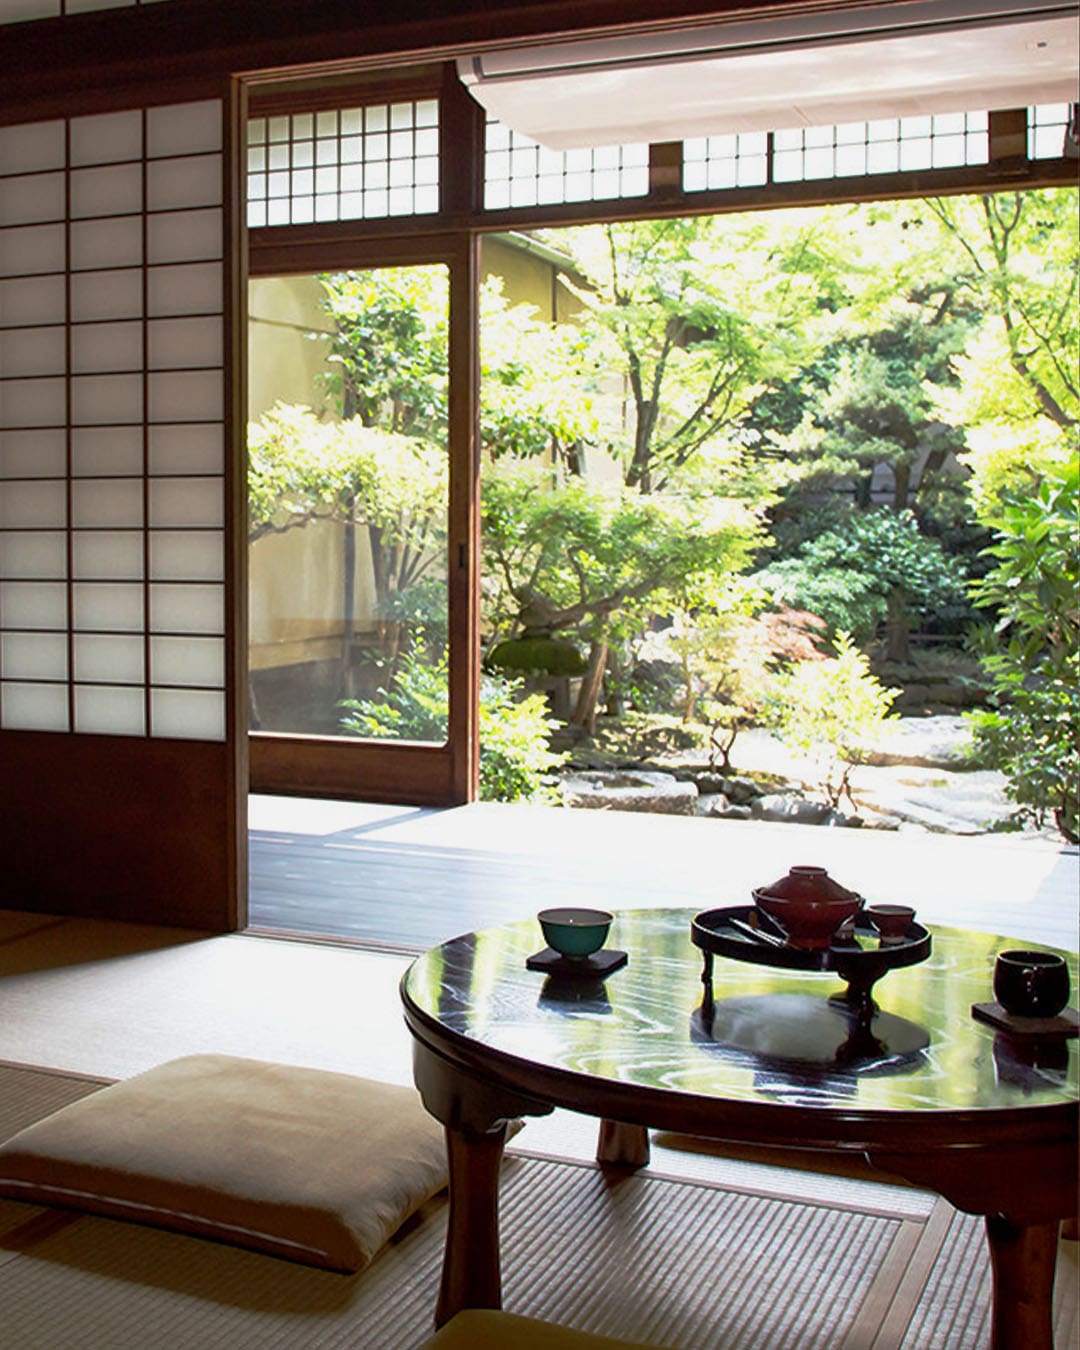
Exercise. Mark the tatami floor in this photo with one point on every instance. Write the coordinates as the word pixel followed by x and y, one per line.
pixel 95 999
pixel 697 1252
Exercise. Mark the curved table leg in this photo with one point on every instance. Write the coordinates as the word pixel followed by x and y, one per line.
pixel 471 1276
pixel 1023 1257
pixel 474 1115
pixel 1028 1191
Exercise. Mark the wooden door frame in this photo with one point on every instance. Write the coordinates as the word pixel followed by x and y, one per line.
pixel 449 774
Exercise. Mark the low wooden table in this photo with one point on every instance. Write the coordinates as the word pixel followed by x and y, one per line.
pixel 922 1092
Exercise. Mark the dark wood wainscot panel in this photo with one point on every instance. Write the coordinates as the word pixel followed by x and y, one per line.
pixel 112 827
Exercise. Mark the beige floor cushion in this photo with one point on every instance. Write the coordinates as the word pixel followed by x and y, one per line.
pixel 483 1329
pixel 318 1167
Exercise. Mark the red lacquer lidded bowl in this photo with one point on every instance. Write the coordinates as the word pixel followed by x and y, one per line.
pixel 809 905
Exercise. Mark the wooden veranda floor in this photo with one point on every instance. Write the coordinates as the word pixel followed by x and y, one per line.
pixel 408 877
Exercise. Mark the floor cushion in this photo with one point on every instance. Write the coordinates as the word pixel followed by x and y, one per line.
pixel 318 1167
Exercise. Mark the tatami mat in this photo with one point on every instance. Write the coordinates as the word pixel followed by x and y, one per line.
pixel 698 1252
pixel 27 1095
pixel 664 1261
pixel 667 1262
pixel 954 1307
pixel 567 1135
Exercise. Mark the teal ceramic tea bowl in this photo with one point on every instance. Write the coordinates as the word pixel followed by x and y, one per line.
pixel 575 933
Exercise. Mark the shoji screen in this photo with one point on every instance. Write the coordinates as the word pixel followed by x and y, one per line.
pixel 114 613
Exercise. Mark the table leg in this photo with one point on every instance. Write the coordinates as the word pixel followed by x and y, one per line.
pixel 622 1145
pixel 471 1277
pixel 1023 1257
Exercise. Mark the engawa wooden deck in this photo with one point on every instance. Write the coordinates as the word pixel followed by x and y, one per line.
pixel 408 877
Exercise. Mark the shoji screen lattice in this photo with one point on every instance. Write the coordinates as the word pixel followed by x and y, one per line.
pixel 112 446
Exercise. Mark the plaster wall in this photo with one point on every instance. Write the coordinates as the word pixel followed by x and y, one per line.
pixel 296 584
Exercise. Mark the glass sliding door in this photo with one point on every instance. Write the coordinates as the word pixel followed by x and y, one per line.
pixel 348 490
pixel 351 631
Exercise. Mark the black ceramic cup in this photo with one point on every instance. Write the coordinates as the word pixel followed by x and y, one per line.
pixel 1031 984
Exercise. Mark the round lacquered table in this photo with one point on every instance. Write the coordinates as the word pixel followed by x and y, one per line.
pixel 765 1058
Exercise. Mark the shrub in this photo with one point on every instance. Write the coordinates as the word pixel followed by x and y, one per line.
pixel 514 751
pixel 537 655
pixel 877 568
pixel 1032 733
pixel 830 710
pixel 413 707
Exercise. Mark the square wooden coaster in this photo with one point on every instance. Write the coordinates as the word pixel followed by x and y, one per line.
pixel 595 967
pixel 1066 1024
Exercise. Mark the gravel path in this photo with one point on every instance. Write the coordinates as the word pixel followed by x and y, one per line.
pixel 918 779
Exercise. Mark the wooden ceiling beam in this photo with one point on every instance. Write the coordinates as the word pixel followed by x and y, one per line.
pixel 100 59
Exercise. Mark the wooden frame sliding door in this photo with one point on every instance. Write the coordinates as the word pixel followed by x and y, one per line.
pixel 401 771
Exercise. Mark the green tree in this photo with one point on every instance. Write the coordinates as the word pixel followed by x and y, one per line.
pixel 287 449
pixel 1017 257
pixel 539 383
pixel 570 558
pixel 388 363
pixel 388 353
pixel 875 569
pixel 862 403
pixel 302 470
pixel 374 461
pixel 870 404
pixel 1020 259
pixel 693 317
pixel 1033 652
pixel 730 647
pixel 681 322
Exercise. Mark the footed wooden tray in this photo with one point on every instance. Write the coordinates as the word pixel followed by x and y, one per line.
pixel 860 960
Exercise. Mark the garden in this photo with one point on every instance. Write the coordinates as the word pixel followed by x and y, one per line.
pixel 802 475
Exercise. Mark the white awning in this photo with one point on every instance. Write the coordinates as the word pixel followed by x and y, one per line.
pixel 886 60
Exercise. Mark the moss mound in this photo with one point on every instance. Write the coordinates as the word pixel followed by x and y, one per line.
pixel 537 656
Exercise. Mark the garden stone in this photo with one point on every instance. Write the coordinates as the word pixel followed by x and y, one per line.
pixel 879 820
pixel 956 695
pixel 913 695
pixel 717 807
pixel 781 806
pixel 940 742
pixel 676 763
pixel 728 811
pixel 632 790
pixel 741 790
pixel 589 759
